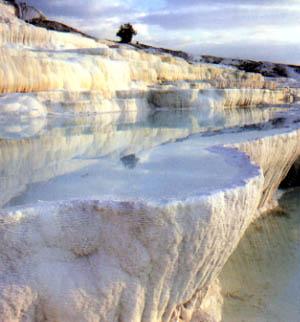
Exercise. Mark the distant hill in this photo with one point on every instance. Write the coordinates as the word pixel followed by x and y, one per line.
pixel 268 69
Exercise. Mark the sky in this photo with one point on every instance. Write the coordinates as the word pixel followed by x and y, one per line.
pixel 253 29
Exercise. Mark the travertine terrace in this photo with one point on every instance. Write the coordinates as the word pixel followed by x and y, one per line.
pixel 148 246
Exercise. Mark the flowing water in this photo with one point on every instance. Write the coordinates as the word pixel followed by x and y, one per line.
pixel 261 280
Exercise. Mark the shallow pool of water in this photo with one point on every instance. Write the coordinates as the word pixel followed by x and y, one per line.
pixel 124 155
pixel 59 158
pixel 261 280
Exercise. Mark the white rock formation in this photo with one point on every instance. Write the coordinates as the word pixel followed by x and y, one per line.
pixel 139 255
pixel 164 254
pixel 40 70
pixel 147 259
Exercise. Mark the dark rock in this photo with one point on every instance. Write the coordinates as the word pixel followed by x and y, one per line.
pixel 57 26
pixel 175 53
pixel 265 68
pixel 292 179
pixel 280 70
pixel 250 66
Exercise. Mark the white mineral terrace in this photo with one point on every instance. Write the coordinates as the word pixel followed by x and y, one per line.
pixel 130 224
pixel 128 178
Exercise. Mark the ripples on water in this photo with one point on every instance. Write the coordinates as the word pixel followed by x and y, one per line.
pixel 261 281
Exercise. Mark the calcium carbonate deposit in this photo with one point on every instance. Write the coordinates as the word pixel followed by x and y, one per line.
pixel 129 177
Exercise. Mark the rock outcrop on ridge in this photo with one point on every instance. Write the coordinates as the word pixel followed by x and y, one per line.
pixel 139 255
pixel 265 68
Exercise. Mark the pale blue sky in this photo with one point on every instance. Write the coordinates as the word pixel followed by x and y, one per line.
pixel 257 29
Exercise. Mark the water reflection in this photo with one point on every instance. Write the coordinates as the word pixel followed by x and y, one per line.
pixel 32 152
pixel 130 161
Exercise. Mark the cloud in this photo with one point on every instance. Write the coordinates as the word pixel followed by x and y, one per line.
pixel 278 52
pixel 237 27
pixel 222 17
pixel 81 9
pixel 187 3
pixel 99 18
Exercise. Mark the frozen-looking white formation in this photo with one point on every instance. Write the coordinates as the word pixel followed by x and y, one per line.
pixel 129 214
pixel 116 260
pixel 149 259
